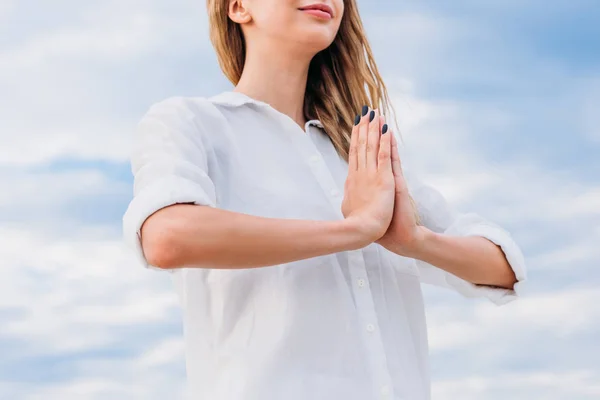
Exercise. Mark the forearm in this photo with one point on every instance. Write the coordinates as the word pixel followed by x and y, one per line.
pixel 204 237
pixel 472 258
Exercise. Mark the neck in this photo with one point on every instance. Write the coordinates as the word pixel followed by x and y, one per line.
pixel 278 80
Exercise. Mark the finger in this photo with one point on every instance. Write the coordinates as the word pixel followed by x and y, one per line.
pixel 384 164
pixel 363 127
pixel 373 140
pixel 395 156
pixel 352 157
pixel 381 125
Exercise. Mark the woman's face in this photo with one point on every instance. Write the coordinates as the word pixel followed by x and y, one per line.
pixel 312 24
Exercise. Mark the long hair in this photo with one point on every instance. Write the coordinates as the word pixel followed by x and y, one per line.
pixel 341 78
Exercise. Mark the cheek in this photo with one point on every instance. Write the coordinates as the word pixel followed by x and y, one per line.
pixel 276 18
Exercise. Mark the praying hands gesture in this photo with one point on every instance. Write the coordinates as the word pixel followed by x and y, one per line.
pixel 376 197
pixel 375 190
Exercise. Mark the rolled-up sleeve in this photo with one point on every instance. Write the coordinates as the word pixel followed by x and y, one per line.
pixel 169 166
pixel 437 215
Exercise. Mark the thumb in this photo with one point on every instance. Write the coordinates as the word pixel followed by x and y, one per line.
pixel 395 156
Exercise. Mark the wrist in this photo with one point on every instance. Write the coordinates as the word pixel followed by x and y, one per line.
pixel 420 244
pixel 355 232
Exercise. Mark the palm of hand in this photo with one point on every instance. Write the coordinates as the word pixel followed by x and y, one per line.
pixel 402 234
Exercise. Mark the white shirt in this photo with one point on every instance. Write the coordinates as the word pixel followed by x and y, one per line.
pixel 347 326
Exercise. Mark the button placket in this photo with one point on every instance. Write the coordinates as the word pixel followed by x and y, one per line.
pixel 362 294
pixel 368 317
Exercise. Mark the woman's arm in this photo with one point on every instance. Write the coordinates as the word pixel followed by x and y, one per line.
pixel 205 237
pixel 472 258
pixel 460 251
pixel 201 235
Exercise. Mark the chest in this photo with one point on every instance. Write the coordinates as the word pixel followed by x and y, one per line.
pixel 280 171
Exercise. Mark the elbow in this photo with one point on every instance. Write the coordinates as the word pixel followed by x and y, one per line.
pixel 509 279
pixel 159 246
pixel 506 276
pixel 166 238
pixel 160 255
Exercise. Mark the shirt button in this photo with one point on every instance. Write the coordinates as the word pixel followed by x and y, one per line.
pixel 370 328
pixel 385 390
pixel 361 283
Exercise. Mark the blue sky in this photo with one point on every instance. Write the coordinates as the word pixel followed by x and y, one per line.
pixel 498 106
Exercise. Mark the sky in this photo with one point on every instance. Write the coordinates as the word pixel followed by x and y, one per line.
pixel 496 105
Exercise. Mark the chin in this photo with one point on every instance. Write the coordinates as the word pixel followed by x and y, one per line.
pixel 317 40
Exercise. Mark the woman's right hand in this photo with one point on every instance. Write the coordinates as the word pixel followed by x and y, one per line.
pixel 369 190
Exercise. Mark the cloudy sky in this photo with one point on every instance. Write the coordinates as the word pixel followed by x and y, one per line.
pixel 496 102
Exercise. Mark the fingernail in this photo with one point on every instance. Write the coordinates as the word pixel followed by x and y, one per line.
pixel 365 110
pixel 372 116
pixel 384 129
pixel 356 120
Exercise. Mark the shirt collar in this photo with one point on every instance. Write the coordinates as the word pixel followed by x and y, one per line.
pixel 236 99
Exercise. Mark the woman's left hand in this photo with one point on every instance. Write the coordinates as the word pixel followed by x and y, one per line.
pixel 404 235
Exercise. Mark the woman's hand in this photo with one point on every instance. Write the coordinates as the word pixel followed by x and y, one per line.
pixel 369 189
pixel 404 235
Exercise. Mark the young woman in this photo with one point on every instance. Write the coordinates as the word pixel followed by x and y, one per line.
pixel 296 241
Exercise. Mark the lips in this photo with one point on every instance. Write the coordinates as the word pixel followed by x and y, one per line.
pixel 319 10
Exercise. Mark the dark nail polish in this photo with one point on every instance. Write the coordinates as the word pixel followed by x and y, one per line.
pixel 372 116
pixel 384 129
pixel 357 120
pixel 365 110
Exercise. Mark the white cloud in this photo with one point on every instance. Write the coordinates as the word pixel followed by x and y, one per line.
pixel 6 7
pixel 580 385
pixel 553 315
pixel 124 378
pixel 141 33
pixel 32 143
pixel 55 101
pixel 88 304
pixel 581 251
pixel 439 145
pixel 25 189
pixel 167 352
pixel 83 288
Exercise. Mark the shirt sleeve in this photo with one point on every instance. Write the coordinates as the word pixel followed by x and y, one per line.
pixel 169 165
pixel 437 215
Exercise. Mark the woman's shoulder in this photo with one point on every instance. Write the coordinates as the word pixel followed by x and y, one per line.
pixel 186 107
pixel 182 106
pixel 189 114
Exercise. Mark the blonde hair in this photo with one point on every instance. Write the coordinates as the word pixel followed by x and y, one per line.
pixel 341 79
